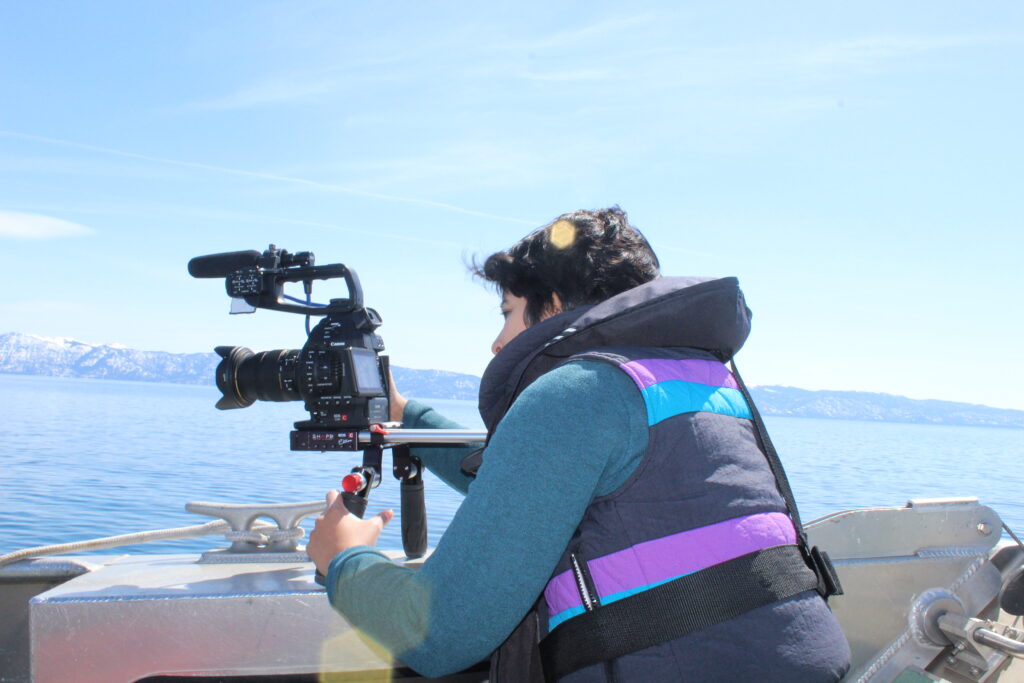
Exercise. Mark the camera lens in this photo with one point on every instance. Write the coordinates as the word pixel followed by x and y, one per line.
pixel 244 377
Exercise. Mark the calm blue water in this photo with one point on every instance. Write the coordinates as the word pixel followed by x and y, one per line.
pixel 87 458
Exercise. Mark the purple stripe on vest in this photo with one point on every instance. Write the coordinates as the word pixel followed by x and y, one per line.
pixel 646 372
pixel 671 556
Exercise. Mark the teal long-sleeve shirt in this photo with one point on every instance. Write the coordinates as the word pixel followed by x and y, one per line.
pixel 575 434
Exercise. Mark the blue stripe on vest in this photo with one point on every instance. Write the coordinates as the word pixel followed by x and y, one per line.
pixel 675 397
pixel 566 614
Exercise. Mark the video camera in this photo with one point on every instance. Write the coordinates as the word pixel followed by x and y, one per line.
pixel 339 372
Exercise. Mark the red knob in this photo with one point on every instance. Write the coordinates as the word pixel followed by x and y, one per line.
pixel 352 482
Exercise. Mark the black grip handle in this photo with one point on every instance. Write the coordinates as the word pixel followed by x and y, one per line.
pixel 354 503
pixel 414 518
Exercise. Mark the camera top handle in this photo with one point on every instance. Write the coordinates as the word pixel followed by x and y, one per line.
pixel 272 296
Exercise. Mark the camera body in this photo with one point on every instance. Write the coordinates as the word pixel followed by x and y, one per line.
pixel 340 372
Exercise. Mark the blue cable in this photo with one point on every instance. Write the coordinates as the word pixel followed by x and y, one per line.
pixel 308 303
pixel 303 301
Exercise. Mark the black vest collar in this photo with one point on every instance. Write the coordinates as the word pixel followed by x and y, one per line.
pixel 702 313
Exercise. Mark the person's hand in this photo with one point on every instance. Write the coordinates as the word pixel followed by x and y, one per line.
pixel 396 400
pixel 337 529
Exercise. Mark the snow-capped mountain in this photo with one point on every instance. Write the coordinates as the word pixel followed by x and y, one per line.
pixel 29 354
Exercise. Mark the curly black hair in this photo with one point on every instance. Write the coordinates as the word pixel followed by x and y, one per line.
pixel 584 257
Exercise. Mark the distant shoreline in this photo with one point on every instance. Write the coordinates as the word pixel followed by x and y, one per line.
pixel 767 410
pixel 32 355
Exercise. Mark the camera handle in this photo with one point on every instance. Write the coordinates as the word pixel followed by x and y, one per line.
pixel 354 503
pixel 272 295
pixel 357 484
pixel 407 468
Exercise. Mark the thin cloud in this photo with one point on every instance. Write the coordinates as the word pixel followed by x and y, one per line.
pixel 373 233
pixel 327 187
pixel 401 64
pixel 122 208
pixel 586 33
pixel 571 76
pixel 311 84
pixel 873 50
pixel 32 226
pixel 275 90
pixel 494 163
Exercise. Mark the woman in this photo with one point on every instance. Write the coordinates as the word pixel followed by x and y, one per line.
pixel 622 513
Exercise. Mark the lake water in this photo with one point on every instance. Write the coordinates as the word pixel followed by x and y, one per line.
pixel 81 459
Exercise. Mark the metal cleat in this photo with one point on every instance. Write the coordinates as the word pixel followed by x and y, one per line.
pixel 263 543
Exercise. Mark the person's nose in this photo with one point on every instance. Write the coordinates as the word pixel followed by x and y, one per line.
pixel 497 345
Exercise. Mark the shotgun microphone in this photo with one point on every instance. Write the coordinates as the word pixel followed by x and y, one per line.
pixel 222 265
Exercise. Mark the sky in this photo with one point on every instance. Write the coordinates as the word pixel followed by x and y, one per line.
pixel 857 165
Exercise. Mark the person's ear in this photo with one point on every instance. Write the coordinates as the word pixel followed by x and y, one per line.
pixel 554 307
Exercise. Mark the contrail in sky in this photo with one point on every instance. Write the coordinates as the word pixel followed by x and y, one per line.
pixel 268 176
pixel 298 181
pixel 219 213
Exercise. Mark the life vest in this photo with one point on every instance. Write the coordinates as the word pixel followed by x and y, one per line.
pixel 699 543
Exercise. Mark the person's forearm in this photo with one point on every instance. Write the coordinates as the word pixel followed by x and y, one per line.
pixel 384 601
pixel 444 461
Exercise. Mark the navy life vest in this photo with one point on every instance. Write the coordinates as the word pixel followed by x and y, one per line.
pixel 702 544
